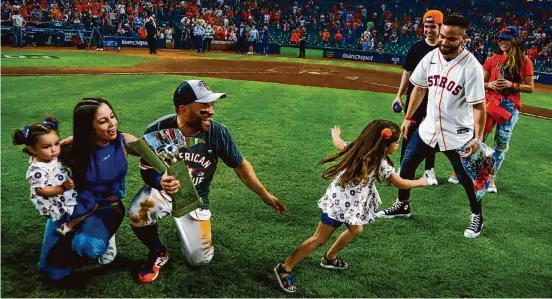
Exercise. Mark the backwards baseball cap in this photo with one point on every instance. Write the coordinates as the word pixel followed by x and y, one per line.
pixel 194 91
pixel 509 33
pixel 433 16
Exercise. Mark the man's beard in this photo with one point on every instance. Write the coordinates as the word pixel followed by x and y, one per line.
pixel 198 125
pixel 448 50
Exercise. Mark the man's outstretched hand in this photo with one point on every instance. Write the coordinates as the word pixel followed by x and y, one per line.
pixel 272 201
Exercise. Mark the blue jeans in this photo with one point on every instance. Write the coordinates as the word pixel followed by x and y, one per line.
pixel 416 151
pixel 265 48
pixel 90 240
pixel 17 36
pixel 503 134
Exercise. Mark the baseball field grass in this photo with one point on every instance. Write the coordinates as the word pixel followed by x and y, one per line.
pixel 78 58
pixel 537 99
pixel 284 131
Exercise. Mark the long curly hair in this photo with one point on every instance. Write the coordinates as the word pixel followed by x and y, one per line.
pixel 515 59
pixel 363 155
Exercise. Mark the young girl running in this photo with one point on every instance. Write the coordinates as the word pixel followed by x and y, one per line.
pixel 51 186
pixel 351 198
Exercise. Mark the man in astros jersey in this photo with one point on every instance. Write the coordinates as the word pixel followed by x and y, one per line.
pixel 455 120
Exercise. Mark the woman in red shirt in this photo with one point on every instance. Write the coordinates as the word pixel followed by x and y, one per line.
pixel 507 74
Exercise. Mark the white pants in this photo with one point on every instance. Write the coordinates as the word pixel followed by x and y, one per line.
pixel 194 228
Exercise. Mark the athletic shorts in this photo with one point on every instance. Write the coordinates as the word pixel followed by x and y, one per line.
pixel 324 218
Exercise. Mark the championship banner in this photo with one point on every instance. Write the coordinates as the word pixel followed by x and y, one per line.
pixel 164 150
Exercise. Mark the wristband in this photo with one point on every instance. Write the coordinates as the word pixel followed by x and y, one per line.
pixel 410 120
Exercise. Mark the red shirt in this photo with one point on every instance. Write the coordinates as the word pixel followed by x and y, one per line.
pixel 142 33
pixel 491 66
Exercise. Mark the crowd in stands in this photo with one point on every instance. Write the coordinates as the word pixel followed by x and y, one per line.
pixel 389 26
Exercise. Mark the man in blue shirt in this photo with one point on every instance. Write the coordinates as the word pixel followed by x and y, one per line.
pixel 199 31
pixel 193 101
pixel 252 38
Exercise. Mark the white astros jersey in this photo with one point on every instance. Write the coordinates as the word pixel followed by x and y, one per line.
pixel 453 87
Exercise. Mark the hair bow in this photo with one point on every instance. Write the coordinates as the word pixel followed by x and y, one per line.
pixel 26 131
pixel 386 133
pixel 53 124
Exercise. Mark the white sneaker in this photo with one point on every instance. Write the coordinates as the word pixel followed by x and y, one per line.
pixel 101 49
pixel 430 176
pixel 492 188
pixel 109 255
pixel 453 179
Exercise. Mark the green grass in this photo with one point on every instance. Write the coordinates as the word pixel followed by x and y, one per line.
pixel 78 58
pixel 313 53
pixel 538 99
pixel 309 61
pixel 283 131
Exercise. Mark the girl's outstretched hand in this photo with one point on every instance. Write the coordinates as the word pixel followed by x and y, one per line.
pixel 336 132
pixel 422 181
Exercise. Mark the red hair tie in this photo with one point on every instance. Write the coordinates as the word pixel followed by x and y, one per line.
pixel 386 133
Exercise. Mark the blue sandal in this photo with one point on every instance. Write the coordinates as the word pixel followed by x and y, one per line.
pixel 286 279
pixel 336 263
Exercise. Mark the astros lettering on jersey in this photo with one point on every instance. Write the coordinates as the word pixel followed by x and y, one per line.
pixel 453 88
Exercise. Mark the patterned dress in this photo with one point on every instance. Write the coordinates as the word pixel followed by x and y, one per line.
pixel 354 205
pixel 49 174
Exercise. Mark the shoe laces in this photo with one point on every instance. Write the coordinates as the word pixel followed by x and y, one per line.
pixel 395 207
pixel 475 222
pixel 153 256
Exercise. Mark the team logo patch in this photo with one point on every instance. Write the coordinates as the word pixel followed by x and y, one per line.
pixel 203 86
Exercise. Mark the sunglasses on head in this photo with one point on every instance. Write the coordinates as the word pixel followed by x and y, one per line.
pixel 504 39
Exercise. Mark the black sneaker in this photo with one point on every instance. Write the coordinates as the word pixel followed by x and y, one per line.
pixel 399 209
pixel 475 226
